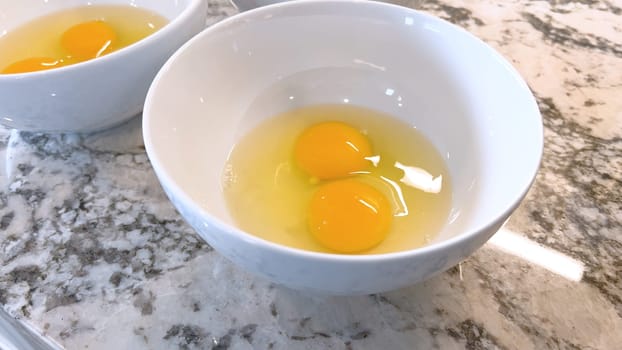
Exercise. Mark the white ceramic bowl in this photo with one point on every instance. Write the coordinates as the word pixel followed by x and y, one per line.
pixel 455 89
pixel 99 93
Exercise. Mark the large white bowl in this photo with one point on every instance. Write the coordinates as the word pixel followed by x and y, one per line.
pixel 455 89
pixel 99 93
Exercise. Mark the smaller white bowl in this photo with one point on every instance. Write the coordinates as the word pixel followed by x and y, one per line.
pixel 99 93
pixel 468 100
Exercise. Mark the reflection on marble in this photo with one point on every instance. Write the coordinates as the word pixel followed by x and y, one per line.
pixel 94 256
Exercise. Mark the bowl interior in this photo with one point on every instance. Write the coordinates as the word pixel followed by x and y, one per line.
pixel 457 91
pixel 16 13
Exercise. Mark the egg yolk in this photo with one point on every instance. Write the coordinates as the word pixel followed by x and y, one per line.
pixel 88 40
pixel 349 216
pixel 32 64
pixel 332 150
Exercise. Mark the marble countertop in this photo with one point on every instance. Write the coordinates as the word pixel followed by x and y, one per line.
pixel 94 256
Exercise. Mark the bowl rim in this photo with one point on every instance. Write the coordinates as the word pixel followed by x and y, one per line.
pixel 430 248
pixel 170 26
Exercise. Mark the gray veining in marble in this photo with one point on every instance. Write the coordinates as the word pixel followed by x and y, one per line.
pixel 94 256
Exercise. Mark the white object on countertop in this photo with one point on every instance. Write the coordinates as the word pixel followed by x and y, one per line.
pixel 460 93
pixel 99 93
pixel 15 335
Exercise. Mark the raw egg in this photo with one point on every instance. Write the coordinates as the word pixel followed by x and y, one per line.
pixel 331 150
pixel 32 64
pixel 349 216
pixel 377 184
pixel 88 40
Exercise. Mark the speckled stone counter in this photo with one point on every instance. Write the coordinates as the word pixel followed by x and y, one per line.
pixel 94 256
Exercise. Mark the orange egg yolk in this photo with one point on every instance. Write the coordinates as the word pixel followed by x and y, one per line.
pixel 88 40
pixel 332 150
pixel 32 64
pixel 349 216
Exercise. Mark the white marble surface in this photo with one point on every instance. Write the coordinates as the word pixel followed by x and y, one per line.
pixel 94 256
